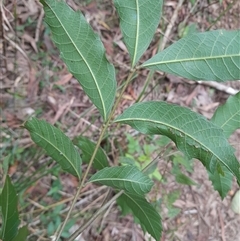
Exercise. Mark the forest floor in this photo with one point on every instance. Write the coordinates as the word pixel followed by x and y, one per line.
pixel 34 80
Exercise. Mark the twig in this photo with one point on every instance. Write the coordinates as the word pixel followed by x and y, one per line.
pixel 4 53
pixel 104 129
pixel 222 225
pixel 227 89
pixel 218 86
pixel 161 47
pixel 170 25
pixel 105 206
pixel 16 46
pixel 190 13
pixel 113 199
pixel 39 25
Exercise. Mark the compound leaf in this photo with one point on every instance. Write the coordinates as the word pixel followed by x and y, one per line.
pixel 227 116
pixel 83 52
pixel 56 144
pixel 127 178
pixel 192 133
pixel 10 218
pixel 87 148
pixel 148 217
pixel 138 21
pixel 213 55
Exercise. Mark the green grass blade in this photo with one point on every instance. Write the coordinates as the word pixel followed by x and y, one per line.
pixel 138 21
pixel 87 148
pixel 213 55
pixel 192 133
pixel 57 145
pixel 148 217
pixel 127 178
pixel 9 210
pixel 227 116
pixel 83 52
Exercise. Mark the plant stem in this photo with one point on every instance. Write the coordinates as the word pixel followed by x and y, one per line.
pixel 104 128
pixel 149 77
pixel 105 206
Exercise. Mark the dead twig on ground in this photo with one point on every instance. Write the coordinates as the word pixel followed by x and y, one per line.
pixel 218 86
pixel 170 25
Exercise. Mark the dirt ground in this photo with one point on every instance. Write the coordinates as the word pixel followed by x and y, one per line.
pixel 34 80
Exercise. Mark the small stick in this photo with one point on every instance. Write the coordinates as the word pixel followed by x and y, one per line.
pixel 39 25
pixel 222 225
pixel 170 25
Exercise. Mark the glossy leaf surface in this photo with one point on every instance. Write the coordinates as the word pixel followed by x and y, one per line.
pixel 148 217
pixel 213 55
pixel 127 178
pixel 83 52
pixel 87 148
pixel 138 22
pixel 9 209
pixel 227 116
pixel 192 133
pixel 56 144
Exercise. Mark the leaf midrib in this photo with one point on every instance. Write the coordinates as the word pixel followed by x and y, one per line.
pixel 36 133
pixel 174 127
pixel 119 179
pixel 93 76
pixel 142 211
pixel 137 33
pixel 191 59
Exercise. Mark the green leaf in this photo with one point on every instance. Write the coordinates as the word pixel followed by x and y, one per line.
pixel 87 147
pixel 138 22
pixel 221 179
pixel 22 234
pixel 192 133
pixel 178 159
pixel 57 145
pixel 147 215
pixel 169 200
pixel 214 55
pixel 83 52
pixel 227 116
pixel 127 178
pixel 182 178
pixel 10 218
pixel 6 162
